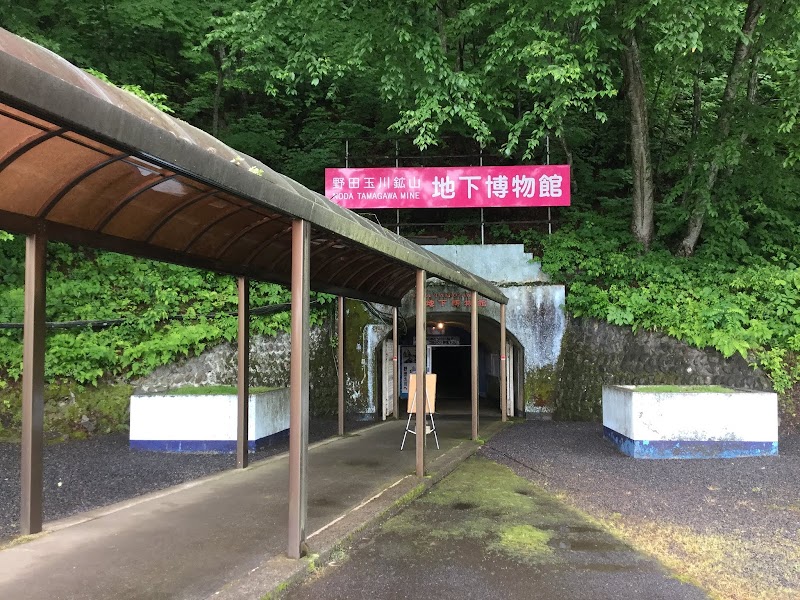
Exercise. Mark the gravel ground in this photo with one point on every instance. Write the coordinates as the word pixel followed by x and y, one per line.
pixel 81 475
pixel 753 501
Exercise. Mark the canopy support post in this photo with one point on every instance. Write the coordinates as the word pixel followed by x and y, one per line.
pixel 503 382
pixel 422 369
pixel 243 375
pixel 33 347
pixel 395 365
pixel 473 309
pixel 340 359
pixel 299 388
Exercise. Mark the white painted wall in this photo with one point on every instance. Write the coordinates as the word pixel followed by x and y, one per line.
pixel 207 418
pixel 501 263
pixel 736 416
pixel 535 315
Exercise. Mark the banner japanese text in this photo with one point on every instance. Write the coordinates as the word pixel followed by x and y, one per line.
pixel 449 187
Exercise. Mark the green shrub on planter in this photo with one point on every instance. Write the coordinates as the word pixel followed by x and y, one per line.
pixel 70 410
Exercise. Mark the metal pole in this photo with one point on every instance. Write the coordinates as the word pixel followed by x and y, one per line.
pixel 395 365
pixel 422 354
pixel 33 384
pixel 482 234
pixel 549 222
pixel 547 146
pixel 503 382
pixel 340 358
pixel 243 375
pixel 347 154
pixel 474 362
pixel 397 166
pixel 299 385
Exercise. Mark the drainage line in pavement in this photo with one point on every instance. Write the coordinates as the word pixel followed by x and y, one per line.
pixel 351 511
pixel 511 458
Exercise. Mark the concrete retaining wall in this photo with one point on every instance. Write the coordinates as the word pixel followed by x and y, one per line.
pixel 595 353
pixel 269 367
pixel 676 424
pixel 205 423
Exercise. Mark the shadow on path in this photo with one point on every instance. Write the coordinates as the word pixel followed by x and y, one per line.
pixel 484 532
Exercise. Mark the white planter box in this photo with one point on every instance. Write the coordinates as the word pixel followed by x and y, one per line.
pixel 195 423
pixel 690 424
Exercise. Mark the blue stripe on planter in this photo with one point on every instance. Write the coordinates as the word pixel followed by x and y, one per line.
pixel 219 446
pixel 689 448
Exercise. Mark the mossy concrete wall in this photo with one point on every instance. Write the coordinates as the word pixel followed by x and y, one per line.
pixel 269 366
pixel 535 322
pixel 595 353
pixel 364 333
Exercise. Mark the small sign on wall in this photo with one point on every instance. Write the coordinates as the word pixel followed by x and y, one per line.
pixel 408 365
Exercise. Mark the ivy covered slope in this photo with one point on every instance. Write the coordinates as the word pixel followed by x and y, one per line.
pixel 740 293
pixel 167 312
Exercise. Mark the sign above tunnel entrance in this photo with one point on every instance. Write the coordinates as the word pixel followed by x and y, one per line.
pixel 449 187
pixel 446 299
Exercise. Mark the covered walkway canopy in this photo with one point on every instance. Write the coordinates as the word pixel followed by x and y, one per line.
pixel 99 167
pixel 86 163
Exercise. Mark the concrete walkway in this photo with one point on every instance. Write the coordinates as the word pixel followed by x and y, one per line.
pixel 225 536
pixel 485 533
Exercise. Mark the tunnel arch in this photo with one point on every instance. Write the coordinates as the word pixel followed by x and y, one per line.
pixel 450 361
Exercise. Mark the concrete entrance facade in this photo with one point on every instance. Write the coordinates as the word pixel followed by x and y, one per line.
pixel 535 326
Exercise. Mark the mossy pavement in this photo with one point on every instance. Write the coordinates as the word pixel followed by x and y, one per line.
pixel 484 532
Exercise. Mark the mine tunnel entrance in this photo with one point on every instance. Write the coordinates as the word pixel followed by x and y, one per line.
pixel 448 356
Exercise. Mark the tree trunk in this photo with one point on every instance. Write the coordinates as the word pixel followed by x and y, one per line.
pixel 441 15
pixel 697 111
pixel 642 222
pixel 723 128
pixel 568 154
pixel 752 87
pixel 219 62
pixel 662 131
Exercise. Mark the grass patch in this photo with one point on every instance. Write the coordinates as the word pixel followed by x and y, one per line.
pixel 214 390
pixel 718 564
pixel 524 541
pixel 22 539
pixel 487 503
pixel 277 592
pixel 338 555
pixel 410 496
pixel 684 389
pixel 485 484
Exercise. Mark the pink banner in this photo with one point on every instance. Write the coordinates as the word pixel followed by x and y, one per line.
pixel 449 187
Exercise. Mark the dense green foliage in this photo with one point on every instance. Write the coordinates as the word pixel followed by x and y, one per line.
pixel 423 82
pixel 737 304
pixel 168 311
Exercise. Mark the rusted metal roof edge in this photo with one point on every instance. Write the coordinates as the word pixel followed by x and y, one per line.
pixel 27 88
pixel 21 224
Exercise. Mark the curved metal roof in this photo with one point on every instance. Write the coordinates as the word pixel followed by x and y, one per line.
pixel 96 166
